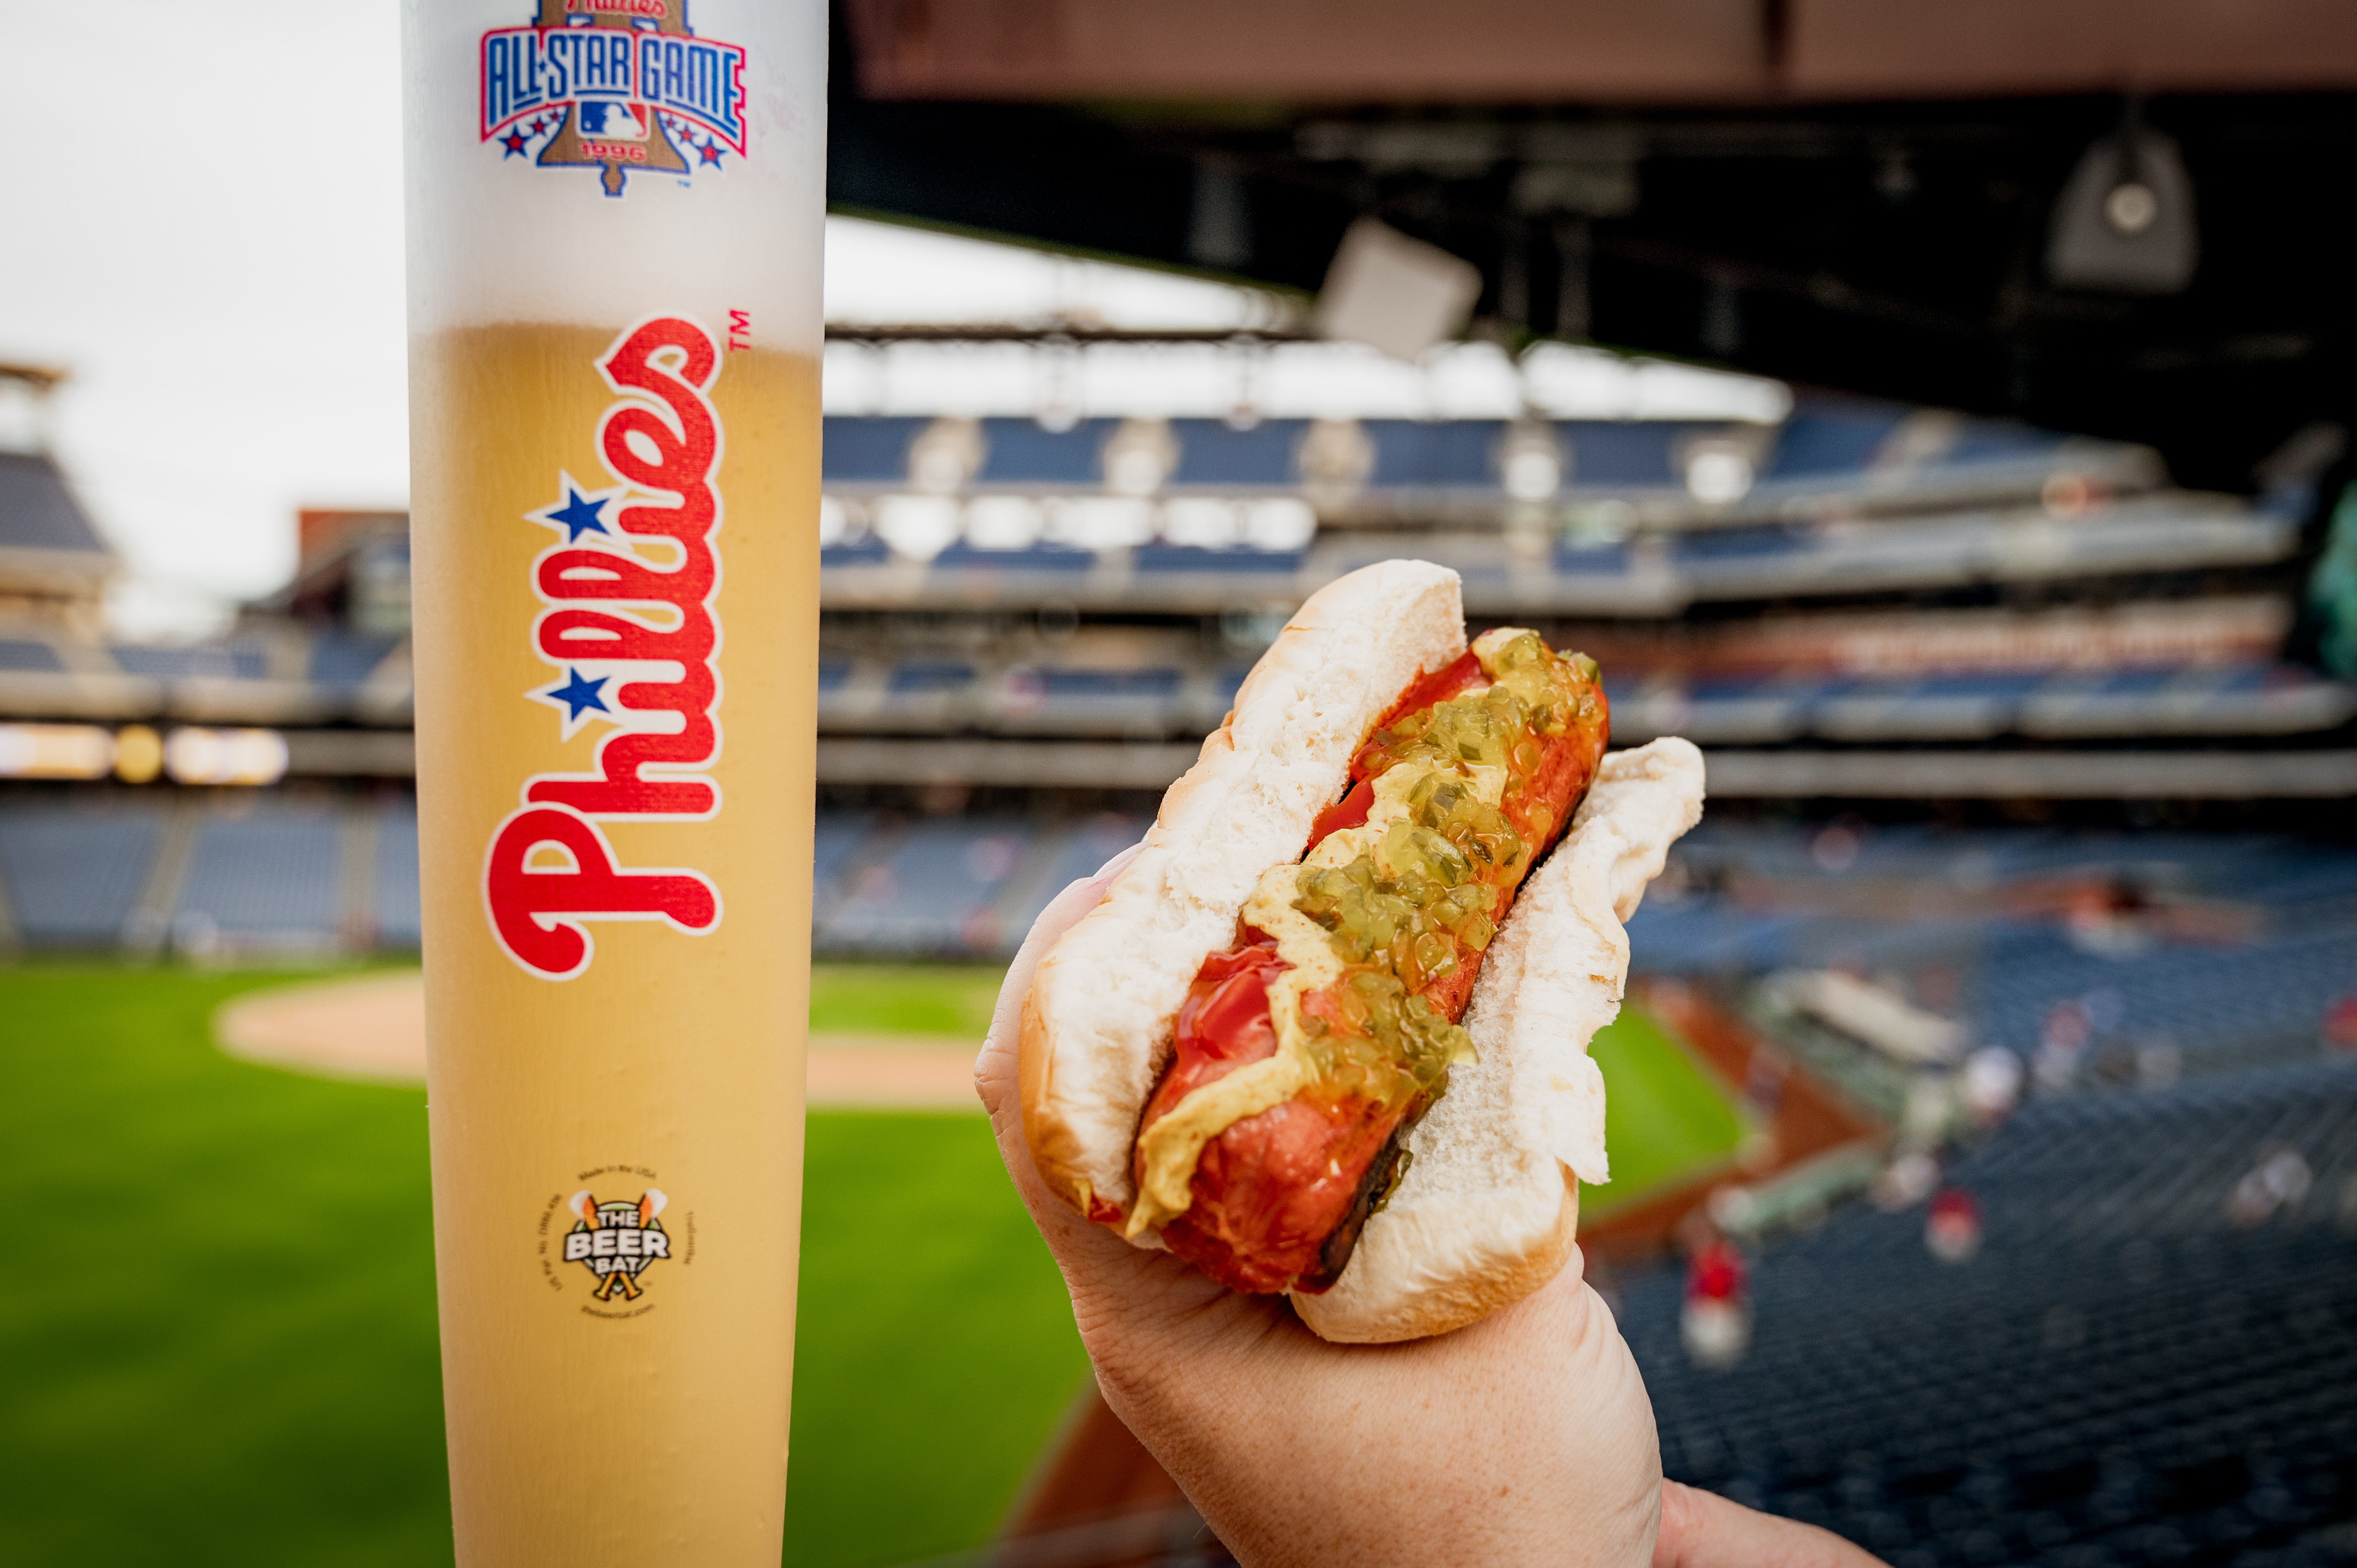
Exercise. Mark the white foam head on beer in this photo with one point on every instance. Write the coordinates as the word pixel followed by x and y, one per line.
pixel 496 239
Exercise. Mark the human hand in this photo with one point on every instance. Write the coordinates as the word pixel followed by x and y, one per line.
pixel 1524 1438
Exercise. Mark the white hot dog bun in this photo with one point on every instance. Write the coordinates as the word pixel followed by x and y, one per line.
pixel 1487 1209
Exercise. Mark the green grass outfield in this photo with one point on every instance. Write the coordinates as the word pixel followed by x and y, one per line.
pixel 218 1316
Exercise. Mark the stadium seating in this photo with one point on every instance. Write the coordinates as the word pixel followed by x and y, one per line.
pixel 1066 701
pixel 1849 499
pixel 393 904
pixel 928 890
pixel 922 692
pixel 270 875
pixel 1826 446
pixel 1923 551
pixel 21 653
pixel 344 661
pixel 1213 455
pixel 2228 953
pixel 2220 952
pixel 948 887
pixel 1078 852
pixel 226 662
pixel 2136 1367
pixel 73 872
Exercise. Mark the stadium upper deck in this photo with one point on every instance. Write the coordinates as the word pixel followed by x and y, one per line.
pixel 1050 603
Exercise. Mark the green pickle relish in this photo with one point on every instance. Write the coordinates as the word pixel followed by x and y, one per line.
pixel 1423 907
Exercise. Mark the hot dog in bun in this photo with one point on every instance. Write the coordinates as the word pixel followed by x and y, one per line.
pixel 1327 1033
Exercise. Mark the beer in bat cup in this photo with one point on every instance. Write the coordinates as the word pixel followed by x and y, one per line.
pixel 614 233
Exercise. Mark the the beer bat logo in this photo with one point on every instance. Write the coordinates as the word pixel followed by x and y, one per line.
pixel 618 85
pixel 632 628
pixel 617 1241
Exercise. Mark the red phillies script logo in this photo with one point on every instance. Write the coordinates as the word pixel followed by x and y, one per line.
pixel 538 910
pixel 631 629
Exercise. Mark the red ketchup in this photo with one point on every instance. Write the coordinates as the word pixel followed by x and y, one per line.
pixel 1444 684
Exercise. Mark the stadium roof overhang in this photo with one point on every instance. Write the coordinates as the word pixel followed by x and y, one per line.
pixel 1853 193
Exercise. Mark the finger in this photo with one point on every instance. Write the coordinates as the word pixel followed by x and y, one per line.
pixel 1702 1529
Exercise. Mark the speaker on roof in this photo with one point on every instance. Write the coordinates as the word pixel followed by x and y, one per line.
pixel 2124 221
pixel 1394 293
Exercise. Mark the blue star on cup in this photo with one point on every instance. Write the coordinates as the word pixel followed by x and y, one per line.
pixel 581 511
pixel 581 697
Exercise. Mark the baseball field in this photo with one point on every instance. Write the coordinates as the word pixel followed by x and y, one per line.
pixel 217 1318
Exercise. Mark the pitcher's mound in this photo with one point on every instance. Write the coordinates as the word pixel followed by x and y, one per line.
pixel 372 1029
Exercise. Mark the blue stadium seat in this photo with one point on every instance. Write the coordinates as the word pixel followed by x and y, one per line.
pixel 923 676
pixel 838 835
pixel 211 661
pixel 270 875
pixel 1115 684
pixel 1994 440
pixel 1696 938
pixel 856 553
pixel 2125 1373
pixel 1608 455
pixel 1592 559
pixel 19 654
pixel 394 902
pixel 932 895
pixel 1416 454
pixel 1826 437
pixel 1024 452
pixel 869 449
pixel 961 556
pixel 1195 558
pixel 1211 454
pixel 73 873
pixel 2203 998
pixel 341 660
pixel 1737 543
pixel 1082 849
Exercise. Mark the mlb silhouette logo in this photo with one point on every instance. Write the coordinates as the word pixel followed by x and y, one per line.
pixel 613 121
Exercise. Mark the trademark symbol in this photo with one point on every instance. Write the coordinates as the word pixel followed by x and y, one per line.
pixel 740 330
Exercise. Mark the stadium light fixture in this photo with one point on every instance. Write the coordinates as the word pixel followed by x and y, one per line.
pixel 138 754
pixel 1204 521
pixel 1279 523
pixel 1003 522
pixel 918 528
pixel 193 754
pixel 833 521
pixel 1531 461
pixel 1138 457
pixel 1336 457
pixel 1720 470
pixel 945 456
pixel 55 751
pixel 1101 522
pixel 2124 222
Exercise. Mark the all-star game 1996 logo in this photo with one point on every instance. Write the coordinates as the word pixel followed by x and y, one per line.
pixel 621 86
pixel 617 1241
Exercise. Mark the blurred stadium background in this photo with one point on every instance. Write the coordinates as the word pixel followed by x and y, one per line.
pixel 1985 1114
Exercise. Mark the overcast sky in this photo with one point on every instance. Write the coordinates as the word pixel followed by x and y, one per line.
pixel 203 226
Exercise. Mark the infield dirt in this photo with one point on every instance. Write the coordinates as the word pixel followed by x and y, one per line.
pixel 373 1027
